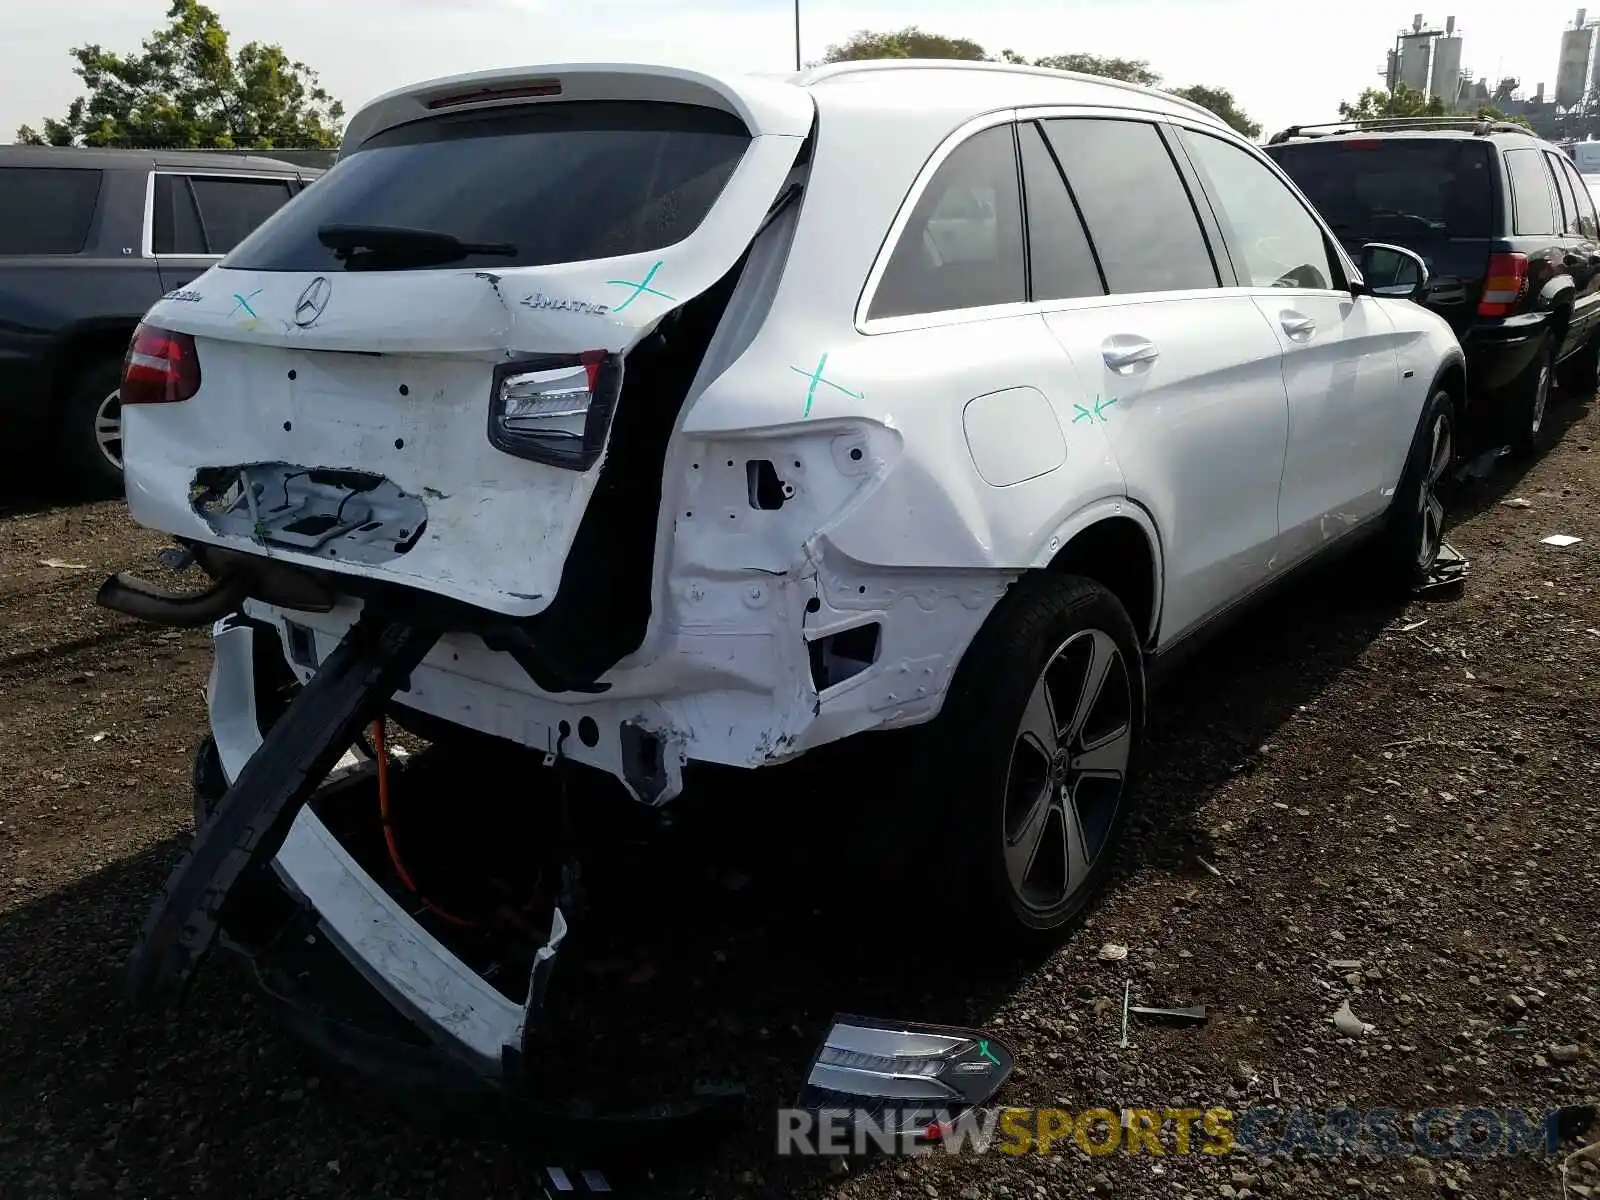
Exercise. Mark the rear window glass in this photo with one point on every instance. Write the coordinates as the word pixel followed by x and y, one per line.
pixel 1533 197
pixel 559 182
pixel 46 210
pixel 1388 189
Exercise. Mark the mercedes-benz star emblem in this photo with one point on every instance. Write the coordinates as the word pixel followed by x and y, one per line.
pixel 312 301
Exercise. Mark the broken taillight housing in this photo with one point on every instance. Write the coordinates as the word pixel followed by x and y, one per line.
pixel 161 367
pixel 555 409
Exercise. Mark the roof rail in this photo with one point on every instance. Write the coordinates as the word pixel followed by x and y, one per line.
pixel 1478 125
pixel 861 66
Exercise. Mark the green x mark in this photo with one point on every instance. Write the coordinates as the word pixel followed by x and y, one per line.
pixel 1083 414
pixel 816 377
pixel 640 287
pixel 244 303
pixel 983 1049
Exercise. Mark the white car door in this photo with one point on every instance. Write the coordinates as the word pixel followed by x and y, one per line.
pixel 1348 414
pixel 1184 377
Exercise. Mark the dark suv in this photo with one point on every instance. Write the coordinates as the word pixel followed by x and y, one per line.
pixel 90 239
pixel 1509 235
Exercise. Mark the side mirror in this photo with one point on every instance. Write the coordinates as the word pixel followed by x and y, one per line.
pixel 1392 272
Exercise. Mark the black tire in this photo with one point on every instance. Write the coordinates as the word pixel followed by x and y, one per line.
pixel 1579 375
pixel 1414 528
pixel 87 398
pixel 1531 404
pixel 976 775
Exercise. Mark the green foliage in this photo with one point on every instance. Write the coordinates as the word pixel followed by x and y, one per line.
pixel 1404 101
pixel 184 89
pixel 1130 70
pixel 914 42
pixel 910 42
pixel 1221 102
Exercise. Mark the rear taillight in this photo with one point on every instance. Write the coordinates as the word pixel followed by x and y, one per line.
pixel 555 410
pixel 161 367
pixel 1504 285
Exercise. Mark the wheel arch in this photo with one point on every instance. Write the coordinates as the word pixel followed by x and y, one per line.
pixel 1114 542
pixel 82 345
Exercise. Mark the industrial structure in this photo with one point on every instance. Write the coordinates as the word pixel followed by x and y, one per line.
pixel 1427 60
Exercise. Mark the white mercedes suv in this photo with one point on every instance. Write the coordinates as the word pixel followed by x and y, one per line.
pixel 640 417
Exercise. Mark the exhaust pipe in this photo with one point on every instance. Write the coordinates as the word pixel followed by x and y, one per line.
pixel 235 579
pixel 145 601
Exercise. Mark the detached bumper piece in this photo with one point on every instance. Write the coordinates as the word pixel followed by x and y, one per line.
pixel 902 1080
pixel 253 818
pixel 341 958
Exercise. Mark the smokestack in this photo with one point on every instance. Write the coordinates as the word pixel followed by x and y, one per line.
pixel 1416 23
pixel 1450 26
pixel 1582 12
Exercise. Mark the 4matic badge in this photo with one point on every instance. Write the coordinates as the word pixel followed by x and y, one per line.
pixel 541 302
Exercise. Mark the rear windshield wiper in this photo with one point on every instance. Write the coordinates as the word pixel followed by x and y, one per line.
pixel 387 245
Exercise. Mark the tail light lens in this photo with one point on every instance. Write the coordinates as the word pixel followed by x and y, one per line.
pixel 1503 287
pixel 161 367
pixel 556 409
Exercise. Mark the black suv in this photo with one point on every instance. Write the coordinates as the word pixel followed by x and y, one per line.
pixel 90 239
pixel 1509 235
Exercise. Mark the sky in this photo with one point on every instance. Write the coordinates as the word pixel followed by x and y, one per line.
pixel 1285 63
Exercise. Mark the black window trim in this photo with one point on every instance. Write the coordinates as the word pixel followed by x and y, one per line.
pixel 147 243
pixel 871 326
pixel 1345 269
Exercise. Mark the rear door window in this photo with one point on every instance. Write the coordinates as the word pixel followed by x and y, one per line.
pixel 232 208
pixel 174 219
pixel 564 182
pixel 1060 261
pixel 1536 211
pixel 1587 225
pixel 1389 189
pixel 211 214
pixel 962 246
pixel 46 210
pixel 1136 205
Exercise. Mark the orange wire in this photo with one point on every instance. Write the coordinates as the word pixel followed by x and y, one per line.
pixel 382 753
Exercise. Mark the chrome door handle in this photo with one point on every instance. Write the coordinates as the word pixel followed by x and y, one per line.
pixel 1124 352
pixel 1298 326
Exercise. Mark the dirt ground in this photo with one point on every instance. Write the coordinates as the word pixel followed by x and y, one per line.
pixel 1412 788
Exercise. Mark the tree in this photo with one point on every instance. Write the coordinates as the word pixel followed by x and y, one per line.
pixel 1221 102
pixel 913 42
pixel 1404 101
pixel 910 42
pixel 184 89
pixel 1130 70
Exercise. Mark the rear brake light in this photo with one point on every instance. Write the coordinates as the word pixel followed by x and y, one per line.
pixel 1504 285
pixel 1362 143
pixel 525 91
pixel 162 367
pixel 555 410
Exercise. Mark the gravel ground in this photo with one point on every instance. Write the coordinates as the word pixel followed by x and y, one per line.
pixel 1409 788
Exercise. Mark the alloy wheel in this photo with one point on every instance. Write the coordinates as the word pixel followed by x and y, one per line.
pixel 1541 397
pixel 1430 507
pixel 108 428
pixel 1069 767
